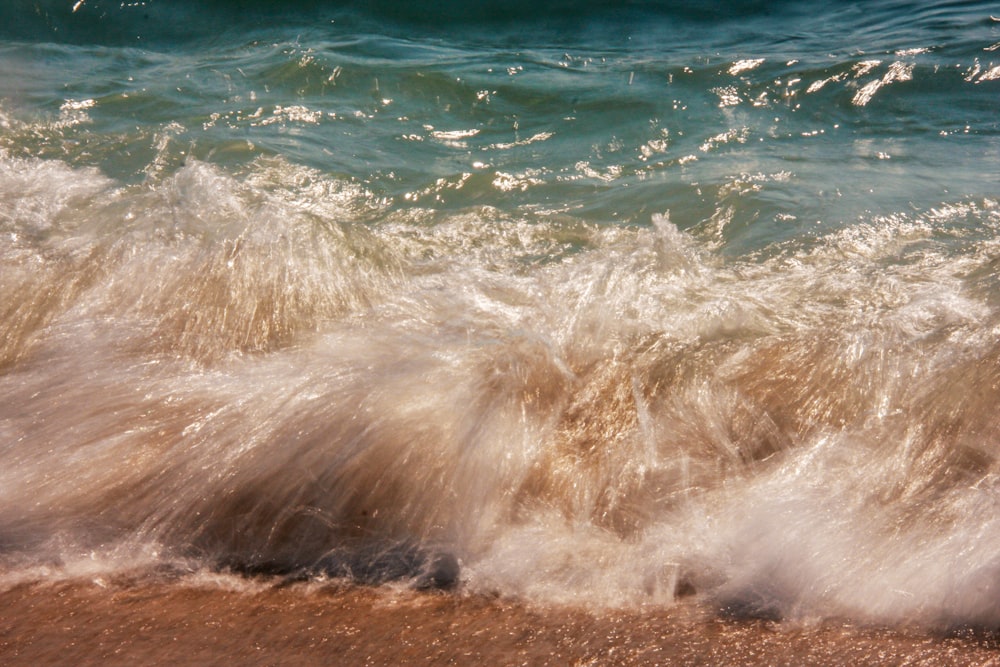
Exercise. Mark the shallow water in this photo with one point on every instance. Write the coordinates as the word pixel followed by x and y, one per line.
pixel 593 305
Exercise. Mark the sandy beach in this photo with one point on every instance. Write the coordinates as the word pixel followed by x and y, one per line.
pixel 112 624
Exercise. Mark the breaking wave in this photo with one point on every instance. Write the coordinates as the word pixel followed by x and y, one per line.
pixel 225 369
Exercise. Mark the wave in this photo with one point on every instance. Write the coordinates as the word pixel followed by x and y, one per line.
pixel 543 302
pixel 211 370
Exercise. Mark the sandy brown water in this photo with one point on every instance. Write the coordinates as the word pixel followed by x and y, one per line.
pixel 86 623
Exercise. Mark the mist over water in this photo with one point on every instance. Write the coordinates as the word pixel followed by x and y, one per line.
pixel 604 307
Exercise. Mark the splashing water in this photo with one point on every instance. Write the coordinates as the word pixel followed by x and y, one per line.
pixel 461 344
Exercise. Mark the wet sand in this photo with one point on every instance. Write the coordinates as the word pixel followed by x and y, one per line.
pixel 166 623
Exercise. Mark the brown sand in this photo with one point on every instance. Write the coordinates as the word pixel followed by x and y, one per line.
pixel 172 624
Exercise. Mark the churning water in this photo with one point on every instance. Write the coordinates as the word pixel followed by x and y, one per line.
pixel 587 303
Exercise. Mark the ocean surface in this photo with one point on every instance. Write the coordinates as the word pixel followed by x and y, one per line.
pixel 578 303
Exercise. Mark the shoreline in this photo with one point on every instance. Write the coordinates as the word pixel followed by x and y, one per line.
pixel 83 622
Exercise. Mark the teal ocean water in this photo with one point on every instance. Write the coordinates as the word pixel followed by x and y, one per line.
pixel 576 302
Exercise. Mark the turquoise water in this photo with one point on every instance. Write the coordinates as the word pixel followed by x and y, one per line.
pixel 610 114
pixel 580 302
